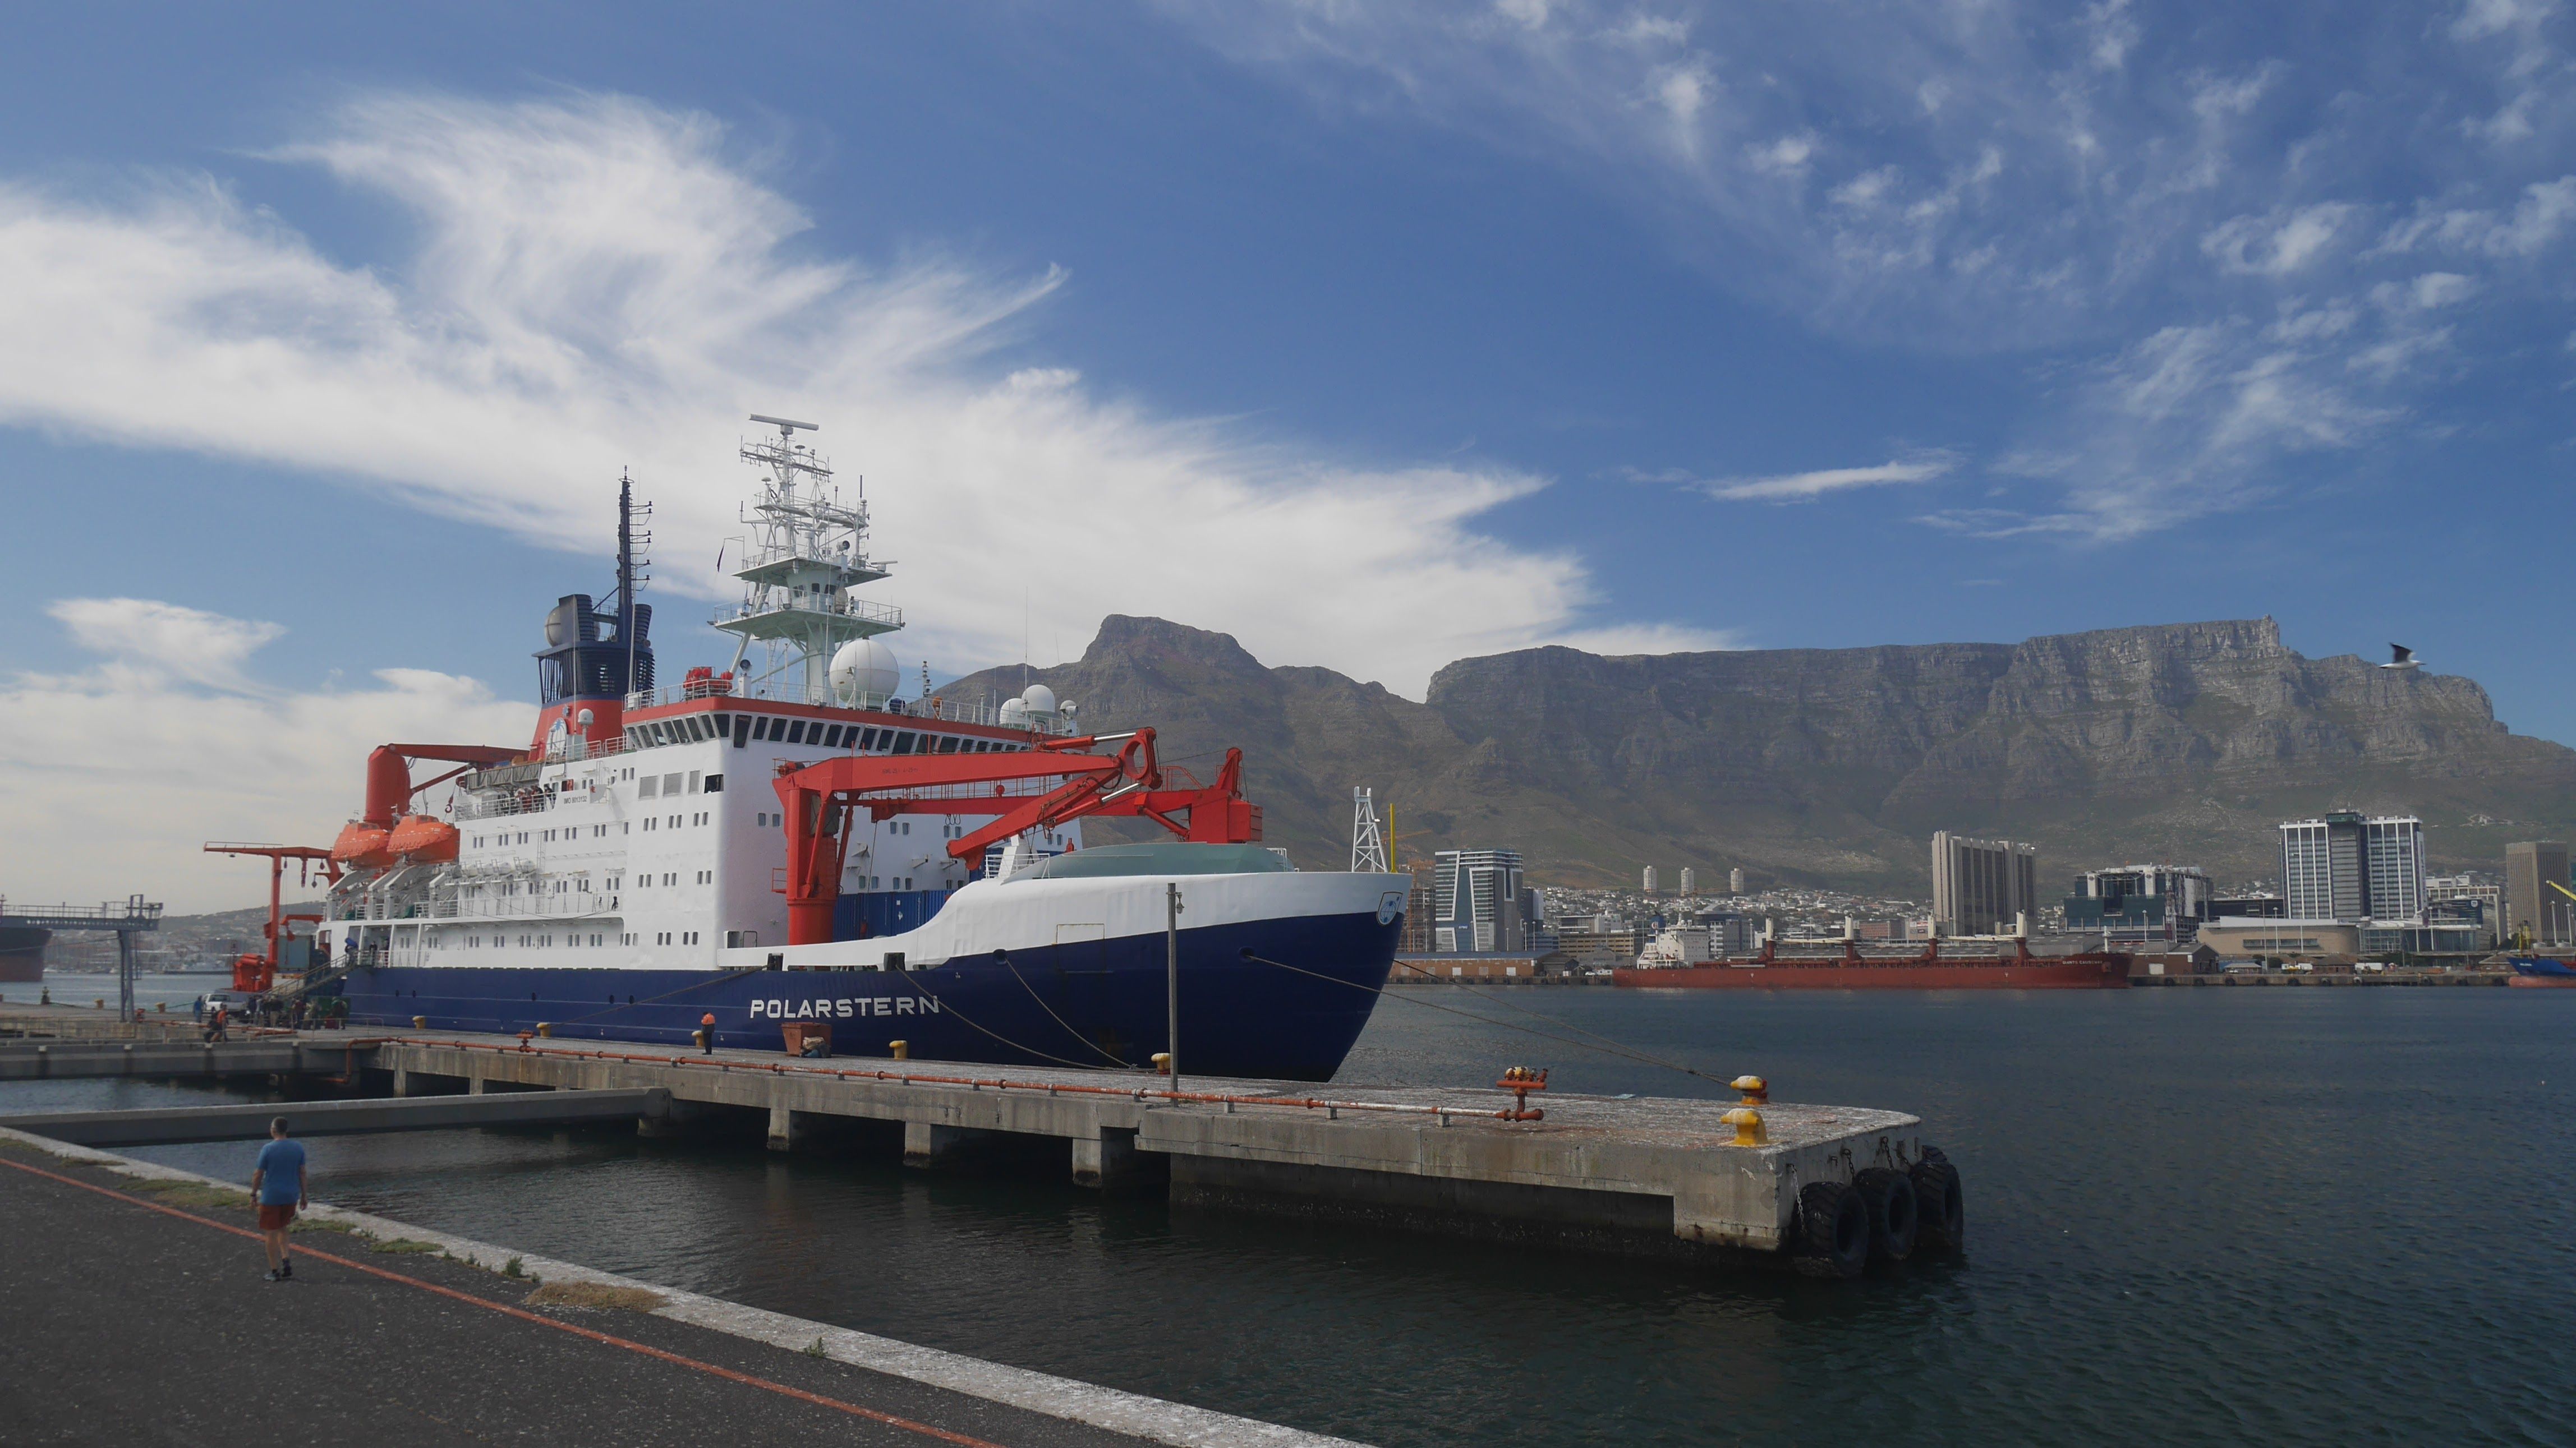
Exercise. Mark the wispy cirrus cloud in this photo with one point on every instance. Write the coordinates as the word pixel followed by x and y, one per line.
pixel 591 280
pixel 2196 228
pixel 1806 487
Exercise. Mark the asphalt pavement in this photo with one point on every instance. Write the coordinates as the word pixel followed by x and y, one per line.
pixel 134 1317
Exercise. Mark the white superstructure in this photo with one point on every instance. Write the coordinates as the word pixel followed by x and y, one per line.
pixel 645 834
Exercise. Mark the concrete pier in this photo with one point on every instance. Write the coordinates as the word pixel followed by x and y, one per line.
pixel 1658 1176
pixel 1652 1176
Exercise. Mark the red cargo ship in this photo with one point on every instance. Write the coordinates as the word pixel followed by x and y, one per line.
pixel 1927 969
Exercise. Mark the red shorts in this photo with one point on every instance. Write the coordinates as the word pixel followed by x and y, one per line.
pixel 274 1219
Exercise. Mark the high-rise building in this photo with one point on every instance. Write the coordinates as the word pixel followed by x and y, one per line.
pixel 1982 887
pixel 2393 852
pixel 1690 881
pixel 2529 870
pixel 2140 902
pixel 1735 882
pixel 2342 866
pixel 1476 902
pixel 1650 880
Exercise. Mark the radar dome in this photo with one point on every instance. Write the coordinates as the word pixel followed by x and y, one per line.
pixel 864 671
pixel 1040 699
pixel 1015 715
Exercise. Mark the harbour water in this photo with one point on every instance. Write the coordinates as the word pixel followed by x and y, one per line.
pixel 2281 1216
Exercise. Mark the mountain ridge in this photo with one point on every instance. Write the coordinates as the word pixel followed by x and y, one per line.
pixel 2185 742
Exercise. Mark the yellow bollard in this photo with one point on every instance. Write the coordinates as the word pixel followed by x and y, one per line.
pixel 1748 1126
pixel 1162 1063
pixel 546 1029
pixel 1757 1092
pixel 902 1049
pixel 421 1023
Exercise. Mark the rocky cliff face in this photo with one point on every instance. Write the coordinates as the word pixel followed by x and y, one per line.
pixel 1833 766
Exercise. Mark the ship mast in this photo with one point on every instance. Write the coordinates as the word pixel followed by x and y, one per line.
pixel 807 556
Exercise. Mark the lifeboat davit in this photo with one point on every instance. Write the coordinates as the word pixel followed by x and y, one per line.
pixel 419 840
pixel 363 846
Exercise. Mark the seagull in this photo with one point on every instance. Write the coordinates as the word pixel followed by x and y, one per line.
pixel 2402 657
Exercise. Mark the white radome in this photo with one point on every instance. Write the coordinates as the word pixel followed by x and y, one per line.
pixel 864 669
pixel 1040 699
pixel 1015 715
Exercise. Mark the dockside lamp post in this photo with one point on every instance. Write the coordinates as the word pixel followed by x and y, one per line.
pixel 1172 982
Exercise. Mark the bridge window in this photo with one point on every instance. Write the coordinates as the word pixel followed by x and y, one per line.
pixel 832 736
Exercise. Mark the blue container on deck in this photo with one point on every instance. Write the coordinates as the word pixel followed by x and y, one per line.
pixel 884 912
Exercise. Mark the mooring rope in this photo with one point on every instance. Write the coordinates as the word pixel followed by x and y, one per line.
pixel 1005 957
pixel 947 1009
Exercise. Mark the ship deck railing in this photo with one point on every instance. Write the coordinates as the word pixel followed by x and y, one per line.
pixel 935 709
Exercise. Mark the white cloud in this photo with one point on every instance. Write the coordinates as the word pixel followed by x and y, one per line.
pixel 1784 156
pixel 2479 19
pixel 186 759
pixel 184 644
pixel 594 283
pixel 2277 244
pixel 2006 176
pixel 2115 33
pixel 1809 486
pixel 2534 222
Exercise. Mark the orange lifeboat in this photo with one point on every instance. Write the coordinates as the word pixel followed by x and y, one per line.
pixel 419 839
pixel 362 846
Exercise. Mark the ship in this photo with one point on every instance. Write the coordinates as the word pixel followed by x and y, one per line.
pixel 22 953
pixel 2541 970
pixel 787 846
pixel 2005 965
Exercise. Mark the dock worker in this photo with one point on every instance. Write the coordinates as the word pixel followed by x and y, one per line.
pixel 277 1181
pixel 707 1034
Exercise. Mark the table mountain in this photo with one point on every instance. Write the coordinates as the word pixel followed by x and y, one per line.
pixel 2179 742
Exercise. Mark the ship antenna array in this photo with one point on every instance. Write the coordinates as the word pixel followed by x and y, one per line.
pixel 1368 842
pixel 631 564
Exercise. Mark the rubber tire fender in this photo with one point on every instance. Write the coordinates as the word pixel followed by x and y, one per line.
pixel 1893 1220
pixel 1833 1231
pixel 1938 1207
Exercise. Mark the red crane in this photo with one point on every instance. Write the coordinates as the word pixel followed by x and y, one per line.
pixel 820 797
pixel 255 974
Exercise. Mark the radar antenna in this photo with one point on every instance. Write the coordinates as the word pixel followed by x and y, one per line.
pixel 801 567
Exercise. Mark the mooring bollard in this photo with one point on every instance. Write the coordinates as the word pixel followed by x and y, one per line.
pixel 1749 1130
pixel 1757 1092
pixel 902 1049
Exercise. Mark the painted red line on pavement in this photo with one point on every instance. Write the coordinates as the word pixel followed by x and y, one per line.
pixel 524 1315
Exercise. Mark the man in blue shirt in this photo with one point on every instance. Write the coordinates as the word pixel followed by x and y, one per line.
pixel 278 1183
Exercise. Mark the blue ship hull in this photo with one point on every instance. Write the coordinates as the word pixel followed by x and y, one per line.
pixel 2540 965
pixel 1094 1003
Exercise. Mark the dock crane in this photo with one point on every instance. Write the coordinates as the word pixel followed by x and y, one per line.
pixel 256 974
pixel 821 797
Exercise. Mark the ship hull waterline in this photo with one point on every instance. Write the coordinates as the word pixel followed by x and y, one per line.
pixel 1086 1004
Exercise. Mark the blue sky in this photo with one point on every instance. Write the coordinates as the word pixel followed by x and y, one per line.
pixel 1375 335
